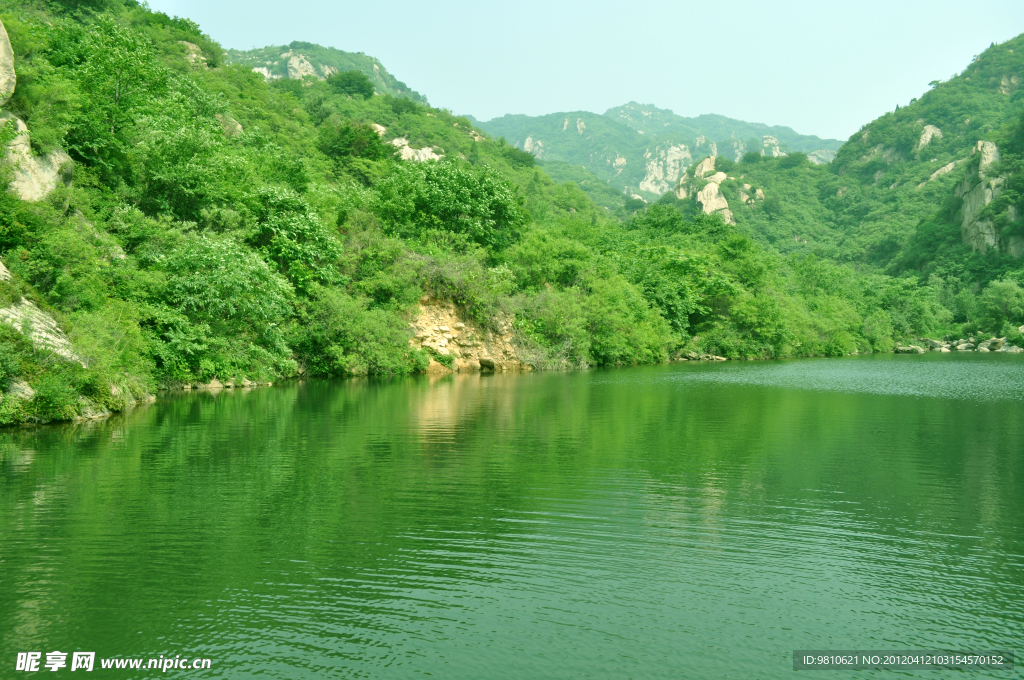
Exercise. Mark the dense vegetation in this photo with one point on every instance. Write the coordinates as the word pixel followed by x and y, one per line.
pixel 889 201
pixel 223 226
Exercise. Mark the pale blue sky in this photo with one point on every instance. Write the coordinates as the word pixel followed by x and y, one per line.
pixel 823 68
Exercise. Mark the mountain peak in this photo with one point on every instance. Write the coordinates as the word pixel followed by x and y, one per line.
pixel 300 59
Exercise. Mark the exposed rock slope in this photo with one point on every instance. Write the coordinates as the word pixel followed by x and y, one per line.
pixel 439 328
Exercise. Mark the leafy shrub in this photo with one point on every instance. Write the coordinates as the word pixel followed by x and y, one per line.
pixel 351 83
pixel 450 197
pixel 793 160
pixel 446 360
pixel 116 71
pixel 400 105
pixel 1002 302
pixel 291 235
pixel 226 309
pixel 347 139
pixel 337 334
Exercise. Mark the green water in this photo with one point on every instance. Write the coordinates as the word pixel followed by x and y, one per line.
pixel 693 520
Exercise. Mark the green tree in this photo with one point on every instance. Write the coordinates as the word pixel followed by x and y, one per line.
pixel 1002 302
pixel 291 235
pixel 351 83
pixel 117 71
pixel 337 334
pixel 341 140
pixel 451 197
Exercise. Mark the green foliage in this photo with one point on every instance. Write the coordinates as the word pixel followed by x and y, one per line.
pixel 224 312
pixel 336 334
pixel 117 73
pixel 347 139
pixel 291 235
pixel 446 360
pixel 1003 303
pixel 450 197
pixel 351 83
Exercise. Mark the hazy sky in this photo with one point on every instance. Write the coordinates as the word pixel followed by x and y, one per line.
pixel 821 67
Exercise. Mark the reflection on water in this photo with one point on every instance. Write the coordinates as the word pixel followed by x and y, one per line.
pixel 675 521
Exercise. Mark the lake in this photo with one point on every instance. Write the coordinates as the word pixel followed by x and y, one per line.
pixel 688 520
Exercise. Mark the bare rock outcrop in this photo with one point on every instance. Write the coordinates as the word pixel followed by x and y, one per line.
pixel 265 72
pixel 664 167
pixel 771 146
pixel 683 188
pixel 927 134
pixel 712 201
pixel 705 167
pixel 35 176
pixel 821 156
pixel 8 79
pixel 439 328
pixel 40 328
pixel 194 54
pixel 536 147
pixel 410 154
pixel 299 66
pixel 978 190
pixel 709 196
pixel 230 126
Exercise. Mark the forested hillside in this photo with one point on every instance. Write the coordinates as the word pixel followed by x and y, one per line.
pixel 300 60
pixel 173 219
pixel 641 150
pixel 930 189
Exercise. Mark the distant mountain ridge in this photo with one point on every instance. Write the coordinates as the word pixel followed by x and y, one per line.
pixel 298 60
pixel 643 150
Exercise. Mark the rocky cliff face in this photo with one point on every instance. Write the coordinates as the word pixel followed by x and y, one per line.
pixel 664 168
pixel 439 328
pixel 642 150
pixel 40 328
pixel 977 190
pixel 705 187
pixel 427 153
pixel 300 59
